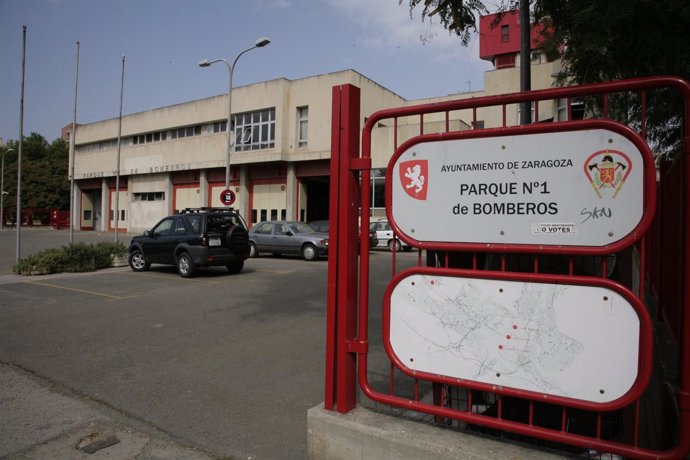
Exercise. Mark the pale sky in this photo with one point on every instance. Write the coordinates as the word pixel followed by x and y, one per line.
pixel 164 40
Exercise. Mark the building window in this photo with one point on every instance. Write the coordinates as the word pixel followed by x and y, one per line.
pixel 505 34
pixel 255 130
pixel 302 126
pixel 220 126
pixel 504 61
pixel 577 109
pixel 150 196
pixel 187 131
pixel 147 138
pixel 100 146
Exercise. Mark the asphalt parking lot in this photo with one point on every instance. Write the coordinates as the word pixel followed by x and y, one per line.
pixel 227 363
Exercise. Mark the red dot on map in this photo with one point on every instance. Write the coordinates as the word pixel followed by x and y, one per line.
pixel 500 347
pixel 514 326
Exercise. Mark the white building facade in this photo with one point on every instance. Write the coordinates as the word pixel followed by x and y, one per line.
pixel 173 157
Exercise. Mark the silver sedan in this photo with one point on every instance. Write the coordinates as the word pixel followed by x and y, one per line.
pixel 287 237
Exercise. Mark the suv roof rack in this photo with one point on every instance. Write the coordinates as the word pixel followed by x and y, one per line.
pixel 206 209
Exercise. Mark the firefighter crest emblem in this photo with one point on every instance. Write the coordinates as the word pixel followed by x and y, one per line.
pixel 414 176
pixel 607 171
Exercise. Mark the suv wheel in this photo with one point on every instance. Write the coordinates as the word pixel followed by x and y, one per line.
pixel 137 262
pixel 309 252
pixel 185 265
pixel 236 267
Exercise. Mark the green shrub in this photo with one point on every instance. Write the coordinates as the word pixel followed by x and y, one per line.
pixel 79 257
pixel 104 252
pixel 76 257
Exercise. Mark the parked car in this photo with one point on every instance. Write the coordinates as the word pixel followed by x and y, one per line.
pixel 287 237
pixel 322 226
pixel 198 237
pixel 384 233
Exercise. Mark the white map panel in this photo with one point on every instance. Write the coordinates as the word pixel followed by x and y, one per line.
pixel 579 342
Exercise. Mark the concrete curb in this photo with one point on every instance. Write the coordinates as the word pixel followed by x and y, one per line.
pixel 362 433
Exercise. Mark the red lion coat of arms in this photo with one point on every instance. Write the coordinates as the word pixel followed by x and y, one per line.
pixel 414 177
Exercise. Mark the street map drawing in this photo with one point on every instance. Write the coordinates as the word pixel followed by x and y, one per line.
pixel 574 341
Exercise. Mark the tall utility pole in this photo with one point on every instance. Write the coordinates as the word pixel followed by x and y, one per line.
pixel 525 71
pixel 119 143
pixel 19 153
pixel 72 140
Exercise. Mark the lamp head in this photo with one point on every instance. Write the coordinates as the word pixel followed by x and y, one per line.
pixel 204 63
pixel 261 42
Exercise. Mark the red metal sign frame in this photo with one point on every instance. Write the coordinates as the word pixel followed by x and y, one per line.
pixel 645 344
pixel 348 343
pixel 649 182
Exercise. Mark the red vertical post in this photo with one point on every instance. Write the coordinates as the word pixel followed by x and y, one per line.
pixel 341 313
pixel 684 348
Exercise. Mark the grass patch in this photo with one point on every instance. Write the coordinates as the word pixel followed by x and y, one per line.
pixel 72 258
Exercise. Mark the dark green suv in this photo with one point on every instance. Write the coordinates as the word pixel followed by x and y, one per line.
pixel 197 237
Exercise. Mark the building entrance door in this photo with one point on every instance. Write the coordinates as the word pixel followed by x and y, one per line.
pixel 318 188
pixel 97 211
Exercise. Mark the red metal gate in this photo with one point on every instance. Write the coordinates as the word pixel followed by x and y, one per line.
pixel 647 270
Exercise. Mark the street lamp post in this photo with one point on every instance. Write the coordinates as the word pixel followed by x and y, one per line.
pixel 260 43
pixel 2 190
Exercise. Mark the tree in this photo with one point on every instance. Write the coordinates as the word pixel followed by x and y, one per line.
pixel 457 16
pixel 602 41
pixel 460 17
pixel 44 174
pixel 621 39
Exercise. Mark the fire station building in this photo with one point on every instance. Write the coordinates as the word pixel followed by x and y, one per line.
pixel 173 157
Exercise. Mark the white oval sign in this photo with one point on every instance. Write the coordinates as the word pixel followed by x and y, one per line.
pixel 573 341
pixel 574 188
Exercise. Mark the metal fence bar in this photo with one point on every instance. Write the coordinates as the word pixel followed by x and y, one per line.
pixel 342 280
